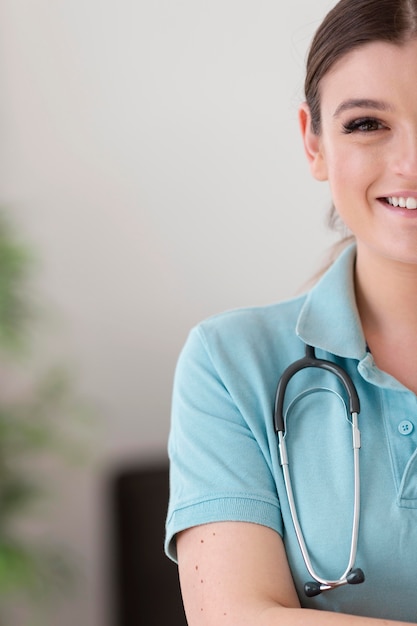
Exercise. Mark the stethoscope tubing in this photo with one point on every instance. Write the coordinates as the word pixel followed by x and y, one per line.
pixel 310 360
pixel 293 510
pixel 349 575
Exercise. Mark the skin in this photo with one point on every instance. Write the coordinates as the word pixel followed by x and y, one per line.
pixel 235 573
pixel 364 166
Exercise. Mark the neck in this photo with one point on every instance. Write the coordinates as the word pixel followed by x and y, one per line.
pixel 386 294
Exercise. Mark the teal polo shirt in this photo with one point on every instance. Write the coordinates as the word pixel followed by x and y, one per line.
pixel 224 454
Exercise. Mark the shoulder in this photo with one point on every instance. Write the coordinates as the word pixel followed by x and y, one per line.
pixel 251 323
pixel 320 307
pixel 240 342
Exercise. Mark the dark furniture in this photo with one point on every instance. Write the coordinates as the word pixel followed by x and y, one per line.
pixel 145 580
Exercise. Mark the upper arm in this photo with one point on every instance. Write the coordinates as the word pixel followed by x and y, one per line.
pixel 222 446
pixel 231 571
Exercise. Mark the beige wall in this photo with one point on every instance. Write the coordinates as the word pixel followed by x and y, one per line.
pixel 150 154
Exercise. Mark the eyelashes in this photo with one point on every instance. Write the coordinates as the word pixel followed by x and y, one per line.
pixel 363 125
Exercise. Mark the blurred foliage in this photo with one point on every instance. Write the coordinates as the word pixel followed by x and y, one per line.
pixel 36 423
pixel 14 305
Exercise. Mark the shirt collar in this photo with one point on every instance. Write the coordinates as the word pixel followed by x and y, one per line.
pixel 329 318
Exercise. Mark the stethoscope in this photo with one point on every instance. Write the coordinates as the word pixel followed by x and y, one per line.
pixel 351 575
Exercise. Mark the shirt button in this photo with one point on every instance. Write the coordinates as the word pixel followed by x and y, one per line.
pixel 405 427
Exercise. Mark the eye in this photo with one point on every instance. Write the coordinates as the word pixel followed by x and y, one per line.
pixel 363 125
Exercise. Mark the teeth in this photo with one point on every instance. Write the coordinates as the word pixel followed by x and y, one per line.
pixel 405 203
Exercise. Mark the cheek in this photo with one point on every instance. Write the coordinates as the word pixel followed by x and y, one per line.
pixel 350 171
pixel 351 174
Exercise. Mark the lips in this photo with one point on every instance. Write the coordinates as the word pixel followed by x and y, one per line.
pixel 404 202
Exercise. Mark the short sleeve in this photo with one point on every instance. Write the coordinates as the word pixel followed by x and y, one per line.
pixel 219 470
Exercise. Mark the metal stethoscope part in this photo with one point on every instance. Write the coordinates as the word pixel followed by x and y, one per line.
pixel 351 575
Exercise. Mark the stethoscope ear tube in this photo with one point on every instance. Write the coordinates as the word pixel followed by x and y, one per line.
pixel 351 575
pixel 310 360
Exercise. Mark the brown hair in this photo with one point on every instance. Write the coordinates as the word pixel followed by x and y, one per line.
pixel 350 24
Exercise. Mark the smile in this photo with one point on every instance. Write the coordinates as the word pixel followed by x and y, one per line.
pixel 404 203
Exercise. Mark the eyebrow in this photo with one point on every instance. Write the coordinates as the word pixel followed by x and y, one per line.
pixel 362 103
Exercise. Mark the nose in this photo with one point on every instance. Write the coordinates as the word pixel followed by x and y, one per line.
pixel 404 154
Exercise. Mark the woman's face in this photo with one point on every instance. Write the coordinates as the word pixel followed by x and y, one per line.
pixel 367 148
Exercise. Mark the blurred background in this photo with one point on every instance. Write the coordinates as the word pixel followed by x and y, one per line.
pixel 151 161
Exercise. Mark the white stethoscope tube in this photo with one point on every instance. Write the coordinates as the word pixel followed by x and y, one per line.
pixel 350 575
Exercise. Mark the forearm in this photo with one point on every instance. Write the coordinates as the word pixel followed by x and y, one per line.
pixel 251 614
pixel 281 616
pixel 236 574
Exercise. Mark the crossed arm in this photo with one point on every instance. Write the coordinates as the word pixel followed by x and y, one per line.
pixel 237 574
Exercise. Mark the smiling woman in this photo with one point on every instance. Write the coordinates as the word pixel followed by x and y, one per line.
pixel 367 147
pixel 231 522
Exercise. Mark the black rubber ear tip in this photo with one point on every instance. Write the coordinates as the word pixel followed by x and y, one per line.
pixel 312 589
pixel 355 576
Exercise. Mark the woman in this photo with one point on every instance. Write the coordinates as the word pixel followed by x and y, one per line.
pixel 229 522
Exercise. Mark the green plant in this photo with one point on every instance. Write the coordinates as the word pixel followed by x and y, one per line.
pixel 32 432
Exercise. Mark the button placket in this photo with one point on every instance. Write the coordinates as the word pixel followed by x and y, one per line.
pixel 401 434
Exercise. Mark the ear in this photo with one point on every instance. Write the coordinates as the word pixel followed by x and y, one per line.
pixel 312 144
